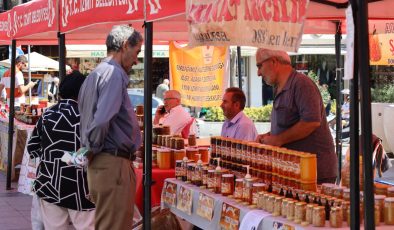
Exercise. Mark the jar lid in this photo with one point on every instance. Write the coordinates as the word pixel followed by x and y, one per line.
pixel 164 150
pixel 380 197
pixel 179 161
pixel 347 190
pixel 389 199
pixel 179 150
pixel 390 189
pixel 300 204
pixel 318 208
pixel 228 175
pixel 311 205
pixel 239 180
pixel 280 198
pixel 211 170
pixel 258 185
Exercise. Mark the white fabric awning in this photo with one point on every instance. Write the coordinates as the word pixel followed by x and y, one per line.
pixel 100 51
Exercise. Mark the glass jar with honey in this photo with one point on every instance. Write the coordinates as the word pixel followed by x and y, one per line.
pixel 318 216
pixel 336 217
pixel 389 210
pixel 238 190
pixel 299 212
pixel 227 187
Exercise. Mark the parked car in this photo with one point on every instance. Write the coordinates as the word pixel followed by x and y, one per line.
pixel 137 98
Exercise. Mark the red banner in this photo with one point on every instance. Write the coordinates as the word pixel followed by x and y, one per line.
pixel 34 17
pixel 5 26
pixel 81 13
pixel 159 9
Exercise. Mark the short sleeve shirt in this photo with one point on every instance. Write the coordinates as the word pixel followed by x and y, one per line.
pixel 300 100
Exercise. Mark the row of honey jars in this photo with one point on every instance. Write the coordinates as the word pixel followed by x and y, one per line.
pixel 281 161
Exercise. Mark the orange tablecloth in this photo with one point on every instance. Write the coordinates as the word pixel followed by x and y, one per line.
pixel 158 176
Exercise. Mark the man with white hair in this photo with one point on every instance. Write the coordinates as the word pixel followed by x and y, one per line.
pixel 162 88
pixel 53 89
pixel 298 119
pixel 174 115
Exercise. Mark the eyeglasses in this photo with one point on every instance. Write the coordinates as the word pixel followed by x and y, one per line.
pixel 260 64
pixel 169 98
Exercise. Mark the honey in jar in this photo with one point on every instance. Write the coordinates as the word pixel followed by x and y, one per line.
pixel 299 212
pixel 227 184
pixel 309 213
pixel 390 191
pixel 336 217
pixel 164 158
pixel 346 194
pixel 270 203
pixel 247 190
pixel 192 140
pixel 338 192
pixel 389 210
pixel 318 216
pixel 256 188
pixel 190 172
pixel 178 170
pixel 278 206
pixel 204 154
pixel 213 147
pixel 191 154
pixel 218 181
pixel 379 201
pixel 238 190
pixel 179 154
pixel 290 209
pixel 283 209
pixel 377 215
pixel 211 179
pixel 205 176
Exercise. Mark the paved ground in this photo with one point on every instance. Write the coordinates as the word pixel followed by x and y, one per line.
pixel 14 207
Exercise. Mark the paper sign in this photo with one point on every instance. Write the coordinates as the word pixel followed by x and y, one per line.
pixel 229 217
pixel 206 206
pixel 185 200
pixel 169 194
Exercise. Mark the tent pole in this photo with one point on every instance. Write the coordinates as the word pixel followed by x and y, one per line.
pixel 147 171
pixel 239 67
pixel 366 124
pixel 11 116
pixel 62 55
pixel 354 132
pixel 338 129
pixel 29 71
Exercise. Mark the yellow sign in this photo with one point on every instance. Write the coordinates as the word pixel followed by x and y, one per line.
pixel 199 74
pixel 381 42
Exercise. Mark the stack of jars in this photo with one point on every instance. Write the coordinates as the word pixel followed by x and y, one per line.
pixel 273 165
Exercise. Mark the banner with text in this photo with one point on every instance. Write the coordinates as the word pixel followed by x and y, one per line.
pixel 268 24
pixel 169 8
pixel 81 13
pixel 34 17
pixel 5 27
pixel 200 74
pixel 381 42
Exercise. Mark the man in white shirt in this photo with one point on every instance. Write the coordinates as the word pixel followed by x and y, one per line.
pixel 20 87
pixel 174 115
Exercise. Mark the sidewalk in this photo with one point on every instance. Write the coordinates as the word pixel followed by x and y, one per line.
pixel 14 207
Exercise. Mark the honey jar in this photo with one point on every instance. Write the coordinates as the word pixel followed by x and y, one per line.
pixel 283 208
pixel 178 169
pixel 247 190
pixel 290 210
pixel 179 154
pixel 190 172
pixel 166 130
pixel 238 190
pixel 309 213
pixel 390 191
pixel 179 143
pixel 227 184
pixel 218 181
pixel 379 201
pixel 164 158
pixel 256 188
pixel 299 212
pixel 191 153
pixel 192 140
pixel 338 192
pixel 265 200
pixel 377 215
pixel 204 154
pixel 336 217
pixel 211 179
pixel 205 176
pixel 346 194
pixel 270 203
pixel 389 210
pixel 318 216
pixel 278 206
pixel 260 199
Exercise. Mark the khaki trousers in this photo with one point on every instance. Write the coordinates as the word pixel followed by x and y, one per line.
pixel 111 183
pixel 56 217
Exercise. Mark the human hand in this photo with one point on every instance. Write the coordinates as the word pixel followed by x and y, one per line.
pixel 260 137
pixel 31 84
pixel 271 140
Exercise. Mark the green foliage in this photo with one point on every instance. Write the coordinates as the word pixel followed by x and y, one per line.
pixel 323 90
pixel 384 94
pixel 333 109
pixel 257 114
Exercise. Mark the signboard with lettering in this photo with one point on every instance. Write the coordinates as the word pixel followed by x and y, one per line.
pixel 5 27
pixel 269 24
pixel 185 200
pixel 206 206
pixel 169 194
pixel 34 17
pixel 381 42
pixel 158 9
pixel 199 74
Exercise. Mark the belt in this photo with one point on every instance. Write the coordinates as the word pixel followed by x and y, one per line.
pixel 120 153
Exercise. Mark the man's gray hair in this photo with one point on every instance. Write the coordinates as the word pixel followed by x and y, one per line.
pixel 120 34
pixel 174 93
pixel 265 54
pixel 21 58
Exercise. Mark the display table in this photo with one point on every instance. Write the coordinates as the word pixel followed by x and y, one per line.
pixel 21 133
pixel 248 218
pixel 158 176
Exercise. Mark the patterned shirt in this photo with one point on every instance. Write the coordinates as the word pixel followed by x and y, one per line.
pixel 57 131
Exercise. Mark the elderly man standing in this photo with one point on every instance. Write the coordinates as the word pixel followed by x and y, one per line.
pixel 173 114
pixel 237 124
pixel 298 118
pixel 162 88
pixel 110 131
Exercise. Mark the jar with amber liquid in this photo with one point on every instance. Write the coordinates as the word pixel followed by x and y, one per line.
pixel 379 201
pixel 247 190
pixel 299 212
pixel 309 213
pixel 238 190
pixel 190 172
pixel 256 189
pixel 211 179
pixel 338 192
pixel 213 147
pixel 178 170
pixel 283 209
pixel 336 217
pixel 290 209
pixel 390 191
pixel 346 194
pixel 389 210
pixel 219 147
pixel 205 176
pixel 278 206
pixel 318 216
pixel 227 184
pixel 224 149
pixel 270 203
pixel 218 181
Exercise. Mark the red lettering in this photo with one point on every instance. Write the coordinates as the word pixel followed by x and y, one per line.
pixel 302 10
pixel 194 13
pixel 276 17
pixel 247 15
pixel 255 11
pixel 235 4
pixel 293 11
pixel 285 17
pixel 225 14
pixel 264 10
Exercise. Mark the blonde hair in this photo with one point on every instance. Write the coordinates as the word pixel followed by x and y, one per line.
pixel 263 54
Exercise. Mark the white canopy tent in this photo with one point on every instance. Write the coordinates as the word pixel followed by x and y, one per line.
pixel 37 62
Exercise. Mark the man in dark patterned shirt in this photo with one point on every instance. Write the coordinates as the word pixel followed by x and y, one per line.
pixel 61 188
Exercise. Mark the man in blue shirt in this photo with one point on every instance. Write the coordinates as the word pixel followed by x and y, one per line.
pixel 110 131
pixel 237 124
